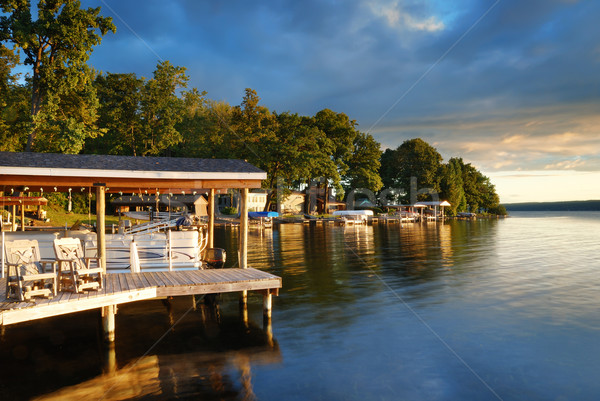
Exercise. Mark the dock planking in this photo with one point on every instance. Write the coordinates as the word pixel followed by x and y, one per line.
pixel 119 288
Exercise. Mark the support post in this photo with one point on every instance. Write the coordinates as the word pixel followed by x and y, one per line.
pixel 211 219
pixel 14 218
pixel 267 305
pixel 100 224
pixel 22 217
pixel 244 228
pixel 108 322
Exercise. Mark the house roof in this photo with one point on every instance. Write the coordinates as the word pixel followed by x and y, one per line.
pixel 123 173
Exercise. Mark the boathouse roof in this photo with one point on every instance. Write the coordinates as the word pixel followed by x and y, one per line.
pixel 122 173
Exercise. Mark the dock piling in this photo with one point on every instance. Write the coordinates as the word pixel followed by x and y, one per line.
pixel 108 322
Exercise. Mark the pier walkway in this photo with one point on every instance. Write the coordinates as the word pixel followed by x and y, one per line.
pixel 120 288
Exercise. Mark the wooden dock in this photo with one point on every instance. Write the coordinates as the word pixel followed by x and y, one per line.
pixel 120 288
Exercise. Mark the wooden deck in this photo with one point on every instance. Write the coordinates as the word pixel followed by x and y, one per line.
pixel 129 287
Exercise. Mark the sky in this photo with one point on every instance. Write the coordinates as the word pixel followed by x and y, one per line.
pixel 511 86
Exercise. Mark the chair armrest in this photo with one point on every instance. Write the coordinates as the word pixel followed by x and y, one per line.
pixel 88 259
pixel 40 276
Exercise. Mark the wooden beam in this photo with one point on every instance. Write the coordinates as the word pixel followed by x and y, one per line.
pixel 132 184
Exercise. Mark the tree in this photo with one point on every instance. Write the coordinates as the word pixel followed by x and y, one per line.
pixel 161 111
pixel 13 104
pixel 364 164
pixel 119 97
pixel 388 169
pixel 451 186
pixel 57 45
pixel 414 158
pixel 252 126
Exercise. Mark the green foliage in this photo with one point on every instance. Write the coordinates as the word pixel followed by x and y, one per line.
pixel 414 158
pixel 57 45
pixel 14 104
pixel 364 164
pixel 500 210
pixel 229 210
pixel 161 110
pixel 462 185
pixel 452 186
pixel 119 96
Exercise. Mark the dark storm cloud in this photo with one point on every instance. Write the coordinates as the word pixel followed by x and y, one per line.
pixel 518 67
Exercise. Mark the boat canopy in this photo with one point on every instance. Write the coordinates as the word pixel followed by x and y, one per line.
pixel 432 203
pixel 256 215
pixel 353 213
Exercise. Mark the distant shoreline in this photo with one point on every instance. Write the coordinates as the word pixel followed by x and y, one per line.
pixel 572 206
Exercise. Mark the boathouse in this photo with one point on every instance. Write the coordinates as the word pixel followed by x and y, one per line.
pixel 102 174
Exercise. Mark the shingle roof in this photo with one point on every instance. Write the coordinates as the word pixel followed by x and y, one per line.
pixel 124 163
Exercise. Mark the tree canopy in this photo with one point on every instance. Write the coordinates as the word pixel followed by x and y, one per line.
pixel 462 185
pixel 57 45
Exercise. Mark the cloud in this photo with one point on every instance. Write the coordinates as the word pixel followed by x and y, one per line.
pixel 519 92
pixel 397 17
pixel 540 138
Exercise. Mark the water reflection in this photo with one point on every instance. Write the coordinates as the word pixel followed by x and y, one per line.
pixel 515 299
pixel 207 355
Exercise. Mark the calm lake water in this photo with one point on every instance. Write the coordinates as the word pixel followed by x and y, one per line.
pixel 463 310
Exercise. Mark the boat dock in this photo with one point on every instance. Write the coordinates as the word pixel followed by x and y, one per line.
pixel 120 288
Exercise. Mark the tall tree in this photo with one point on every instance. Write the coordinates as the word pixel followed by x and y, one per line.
pixel 364 164
pixel 13 104
pixel 252 126
pixel 414 158
pixel 161 110
pixel 451 186
pixel 57 45
pixel 119 96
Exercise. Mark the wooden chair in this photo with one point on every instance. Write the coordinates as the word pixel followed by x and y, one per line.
pixel 75 272
pixel 27 273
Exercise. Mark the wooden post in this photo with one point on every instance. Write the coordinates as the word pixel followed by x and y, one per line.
pixel 244 228
pixel 267 304
pixel 243 246
pixel 14 218
pixel 22 217
pixel 108 322
pixel 110 359
pixel 100 224
pixel 211 219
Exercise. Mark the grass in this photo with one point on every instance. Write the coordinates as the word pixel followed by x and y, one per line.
pixel 60 218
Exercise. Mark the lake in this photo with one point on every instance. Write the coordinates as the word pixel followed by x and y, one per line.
pixel 499 309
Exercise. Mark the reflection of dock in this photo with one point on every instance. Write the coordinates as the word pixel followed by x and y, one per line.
pixel 120 288
pixel 206 355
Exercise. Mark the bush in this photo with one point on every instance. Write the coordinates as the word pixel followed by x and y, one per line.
pixel 499 210
pixel 229 210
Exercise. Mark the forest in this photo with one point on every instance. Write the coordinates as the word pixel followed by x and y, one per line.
pixel 64 105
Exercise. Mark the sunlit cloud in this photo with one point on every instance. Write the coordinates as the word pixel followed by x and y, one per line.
pixel 397 17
